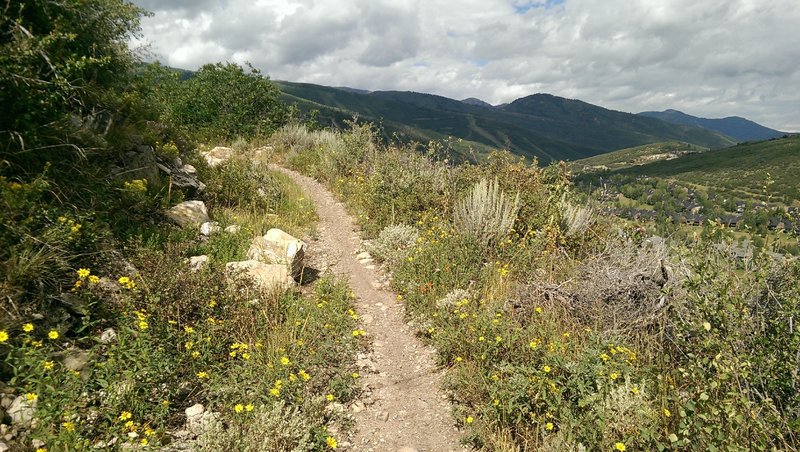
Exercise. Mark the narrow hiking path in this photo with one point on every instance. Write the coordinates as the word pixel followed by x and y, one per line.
pixel 403 408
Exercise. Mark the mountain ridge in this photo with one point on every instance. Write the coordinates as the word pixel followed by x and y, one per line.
pixel 557 129
pixel 742 129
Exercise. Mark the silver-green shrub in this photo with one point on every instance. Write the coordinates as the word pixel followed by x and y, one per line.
pixel 393 243
pixel 486 212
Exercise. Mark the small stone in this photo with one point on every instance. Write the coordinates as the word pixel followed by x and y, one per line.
pixel 76 360
pixel 3 447
pixel 217 155
pixel 233 229
pixel 7 400
pixel 384 416
pixel 209 227
pixel 189 169
pixel 363 256
pixel 37 443
pixel 406 449
pixel 108 336
pixel 194 411
pixel 196 263
pixel 21 411
pixel 188 213
pixel 358 407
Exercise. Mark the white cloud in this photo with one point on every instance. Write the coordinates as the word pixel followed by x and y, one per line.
pixel 711 58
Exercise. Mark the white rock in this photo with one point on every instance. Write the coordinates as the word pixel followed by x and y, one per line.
pixel 196 263
pixel 108 336
pixel 209 227
pixel 188 213
pixel 194 410
pixel 233 229
pixel 217 155
pixel 279 247
pixel 37 443
pixel 266 276
pixel 189 169
pixel 21 411
pixel 3 447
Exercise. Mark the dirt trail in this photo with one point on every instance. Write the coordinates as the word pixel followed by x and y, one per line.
pixel 403 408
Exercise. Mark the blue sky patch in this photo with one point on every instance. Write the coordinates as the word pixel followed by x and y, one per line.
pixel 522 7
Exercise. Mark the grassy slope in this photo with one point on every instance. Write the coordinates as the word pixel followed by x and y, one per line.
pixel 638 155
pixel 542 126
pixel 741 168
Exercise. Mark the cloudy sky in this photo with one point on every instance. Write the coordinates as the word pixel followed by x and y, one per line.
pixel 710 58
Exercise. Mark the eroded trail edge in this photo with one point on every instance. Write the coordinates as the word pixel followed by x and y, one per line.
pixel 403 408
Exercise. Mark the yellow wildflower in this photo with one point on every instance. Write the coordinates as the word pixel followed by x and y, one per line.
pixel 3 336
pixel 188 329
pixel 245 355
pixel 331 442
pixel 285 361
pixel 354 375
pixel 28 327
pixel 94 279
pixel 605 357
pixel 53 334
pixel 48 365
pixel 212 303
pixel 667 413
pixel 469 420
pixel 238 408
pixel 275 392
pixel 202 374
pixel 125 415
pixel 329 397
pixel 68 426
pixel 249 407
pixel 195 354
pixel 614 375
pixel 83 273
pixel 143 325
pixel 547 369
pixel 305 376
pixel 548 426
pixel 538 310
pixel 619 446
pixel 144 442
pixel 31 396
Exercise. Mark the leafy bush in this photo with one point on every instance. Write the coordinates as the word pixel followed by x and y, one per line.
pixel 486 213
pixel 240 182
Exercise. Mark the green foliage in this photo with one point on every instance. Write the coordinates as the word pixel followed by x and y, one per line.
pixel 62 65
pixel 225 101
pixel 574 332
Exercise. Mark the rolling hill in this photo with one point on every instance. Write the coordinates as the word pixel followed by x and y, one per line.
pixel 738 128
pixel 639 155
pixel 740 170
pixel 542 126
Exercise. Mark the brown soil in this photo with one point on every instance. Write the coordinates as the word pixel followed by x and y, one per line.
pixel 403 407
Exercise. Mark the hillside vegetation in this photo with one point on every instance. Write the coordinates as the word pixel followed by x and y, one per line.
pixel 742 169
pixel 638 155
pixel 559 328
pixel 113 334
pixel 541 126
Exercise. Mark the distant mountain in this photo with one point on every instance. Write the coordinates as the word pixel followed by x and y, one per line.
pixel 476 101
pixel 738 128
pixel 543 126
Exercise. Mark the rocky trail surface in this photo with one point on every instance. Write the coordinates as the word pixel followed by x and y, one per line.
pixel 402 408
